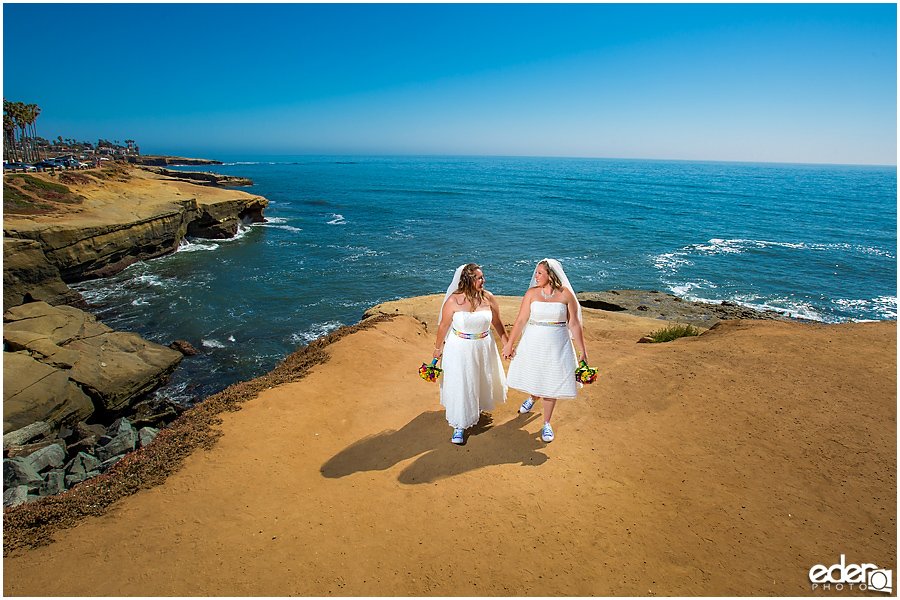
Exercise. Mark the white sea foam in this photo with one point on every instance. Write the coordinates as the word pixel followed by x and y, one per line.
pixel 336 219
pixel 212 343
pixel 139 302
pixel 149 280
pixel 785 306
pixel 884 306
pixel 285 227
pixel 672 260
pixel 683 290
pixel 195 245
pixel 315 331
pixel 242 230
pixel 174 392
pixel 739 246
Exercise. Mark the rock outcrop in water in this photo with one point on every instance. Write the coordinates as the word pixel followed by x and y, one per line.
pixel 659 305
pixel 202 177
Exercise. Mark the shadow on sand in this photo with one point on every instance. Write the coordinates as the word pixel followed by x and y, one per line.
pixel 429 436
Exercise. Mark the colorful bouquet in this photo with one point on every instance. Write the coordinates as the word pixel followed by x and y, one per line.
pixel 430 372
pixel 585 374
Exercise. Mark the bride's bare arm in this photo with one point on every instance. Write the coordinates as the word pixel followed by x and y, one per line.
pixel 496 321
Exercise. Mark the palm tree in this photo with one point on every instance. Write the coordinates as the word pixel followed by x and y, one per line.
pixel 33 111
pixel 18 115
pixel 9 129
pixel 9 137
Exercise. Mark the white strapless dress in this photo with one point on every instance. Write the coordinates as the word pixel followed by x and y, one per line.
pixel 544 363
pixel 473 379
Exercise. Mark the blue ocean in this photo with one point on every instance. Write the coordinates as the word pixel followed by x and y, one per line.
pixel 345 233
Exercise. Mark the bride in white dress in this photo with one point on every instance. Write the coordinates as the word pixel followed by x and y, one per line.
pixel 543 364
pixel 473 379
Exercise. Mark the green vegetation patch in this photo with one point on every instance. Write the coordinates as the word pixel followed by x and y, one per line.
pixel 33 188
pixel 17 202
pixel 673 332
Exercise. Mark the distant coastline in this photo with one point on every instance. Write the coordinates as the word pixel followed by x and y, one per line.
pixel 162 160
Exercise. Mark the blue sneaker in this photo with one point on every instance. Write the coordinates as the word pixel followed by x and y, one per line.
pixel 526 406
pixel 547 433
pixel 457 436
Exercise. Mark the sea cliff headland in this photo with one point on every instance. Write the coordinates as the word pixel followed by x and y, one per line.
pixel 62 368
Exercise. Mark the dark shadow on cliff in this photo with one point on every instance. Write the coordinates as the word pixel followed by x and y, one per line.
pixel 429 435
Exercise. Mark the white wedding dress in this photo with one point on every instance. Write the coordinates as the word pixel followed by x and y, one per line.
pixel 544 362
pixel 473 379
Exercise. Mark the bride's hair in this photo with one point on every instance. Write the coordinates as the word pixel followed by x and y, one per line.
pixel 467 286
pixel 555 282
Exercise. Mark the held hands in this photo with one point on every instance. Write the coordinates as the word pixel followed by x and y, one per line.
pixel 508 352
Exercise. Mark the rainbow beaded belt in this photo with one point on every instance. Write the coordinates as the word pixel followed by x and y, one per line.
pixel 547 323
pixel 471 336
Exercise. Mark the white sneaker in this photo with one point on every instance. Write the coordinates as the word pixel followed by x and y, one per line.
pixel 547 433
pixel 457 436
pixel 526 406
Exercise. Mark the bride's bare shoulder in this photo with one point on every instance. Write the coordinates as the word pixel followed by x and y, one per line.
pixel 457 300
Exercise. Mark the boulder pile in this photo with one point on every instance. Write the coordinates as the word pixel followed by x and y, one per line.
pixel 37 463
pixel 61 370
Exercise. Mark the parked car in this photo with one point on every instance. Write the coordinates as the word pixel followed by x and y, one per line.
pixel 70 162
pixel 18 165
pixel 48 164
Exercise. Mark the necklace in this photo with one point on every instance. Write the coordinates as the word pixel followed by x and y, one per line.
pixel 546 297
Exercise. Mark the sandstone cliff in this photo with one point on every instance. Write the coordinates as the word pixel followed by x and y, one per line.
pixel 201 177
pixel 128 216
pixel 28 276
pixel 60 365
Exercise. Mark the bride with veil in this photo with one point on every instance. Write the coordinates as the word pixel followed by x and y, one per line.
pixel 543 364
pixel 473 380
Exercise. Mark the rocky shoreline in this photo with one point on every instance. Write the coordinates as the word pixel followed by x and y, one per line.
pixel 159 160
pixel 72 387
pixel 659 305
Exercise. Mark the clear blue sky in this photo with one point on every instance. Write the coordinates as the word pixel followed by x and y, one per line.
pixel 813 83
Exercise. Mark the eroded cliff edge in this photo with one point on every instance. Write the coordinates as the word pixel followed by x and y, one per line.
pixel 129 215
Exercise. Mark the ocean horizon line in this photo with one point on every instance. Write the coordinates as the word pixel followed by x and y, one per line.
pixel 215 156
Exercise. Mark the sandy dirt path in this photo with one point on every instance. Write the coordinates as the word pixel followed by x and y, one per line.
pixel 727 464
